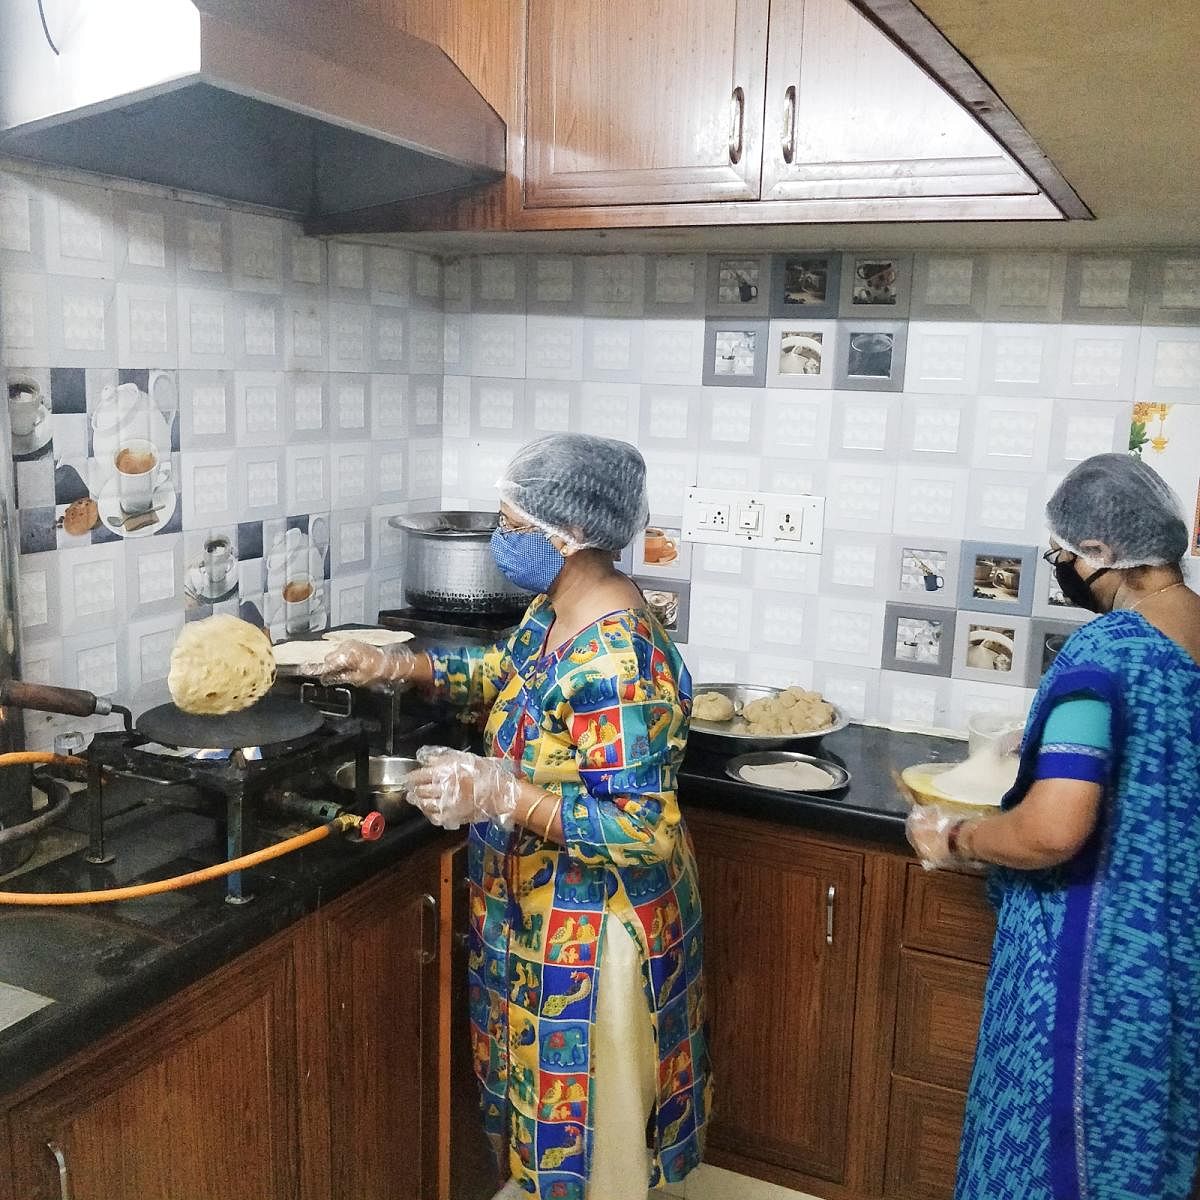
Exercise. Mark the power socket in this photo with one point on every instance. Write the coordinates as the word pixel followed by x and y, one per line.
pixel 717 518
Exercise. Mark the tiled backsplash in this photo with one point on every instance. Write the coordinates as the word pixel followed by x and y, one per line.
pixel 934 399
pixel 285 393
pixel 305 391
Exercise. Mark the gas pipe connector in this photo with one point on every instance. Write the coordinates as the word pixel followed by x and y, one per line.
pixel 369 828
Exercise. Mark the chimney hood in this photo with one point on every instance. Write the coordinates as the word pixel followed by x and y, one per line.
pixel 303 107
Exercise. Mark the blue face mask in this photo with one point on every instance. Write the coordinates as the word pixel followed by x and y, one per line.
pixel 527 559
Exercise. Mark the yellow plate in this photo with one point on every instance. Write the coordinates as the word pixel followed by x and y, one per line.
pixel 918 781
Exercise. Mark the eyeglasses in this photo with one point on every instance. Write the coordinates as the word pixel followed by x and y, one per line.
pixel 1055 555
pixel 504 525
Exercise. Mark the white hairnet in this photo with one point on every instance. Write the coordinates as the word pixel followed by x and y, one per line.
pixel 589 491
pixel 1120 501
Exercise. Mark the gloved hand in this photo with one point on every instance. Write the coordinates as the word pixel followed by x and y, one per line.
pixel 928 830
pixel 361 665
pixel 453 788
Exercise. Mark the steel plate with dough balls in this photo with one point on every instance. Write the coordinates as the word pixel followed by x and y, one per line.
pixel 734 736
pixel 270 721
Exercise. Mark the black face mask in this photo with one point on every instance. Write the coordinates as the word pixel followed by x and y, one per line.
pixel 1078 591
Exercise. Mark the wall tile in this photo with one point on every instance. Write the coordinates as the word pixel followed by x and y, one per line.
pixel 554 347
pixel 1097 362
pixel 1019 359
pixel 943 356
pixel 1011 433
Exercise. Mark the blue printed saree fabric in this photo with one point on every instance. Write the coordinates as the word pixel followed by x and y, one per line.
pixel 1086 1083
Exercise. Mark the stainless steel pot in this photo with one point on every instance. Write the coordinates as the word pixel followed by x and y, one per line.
pixel 448 564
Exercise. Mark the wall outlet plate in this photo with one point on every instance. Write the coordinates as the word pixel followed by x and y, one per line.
pixel 760 520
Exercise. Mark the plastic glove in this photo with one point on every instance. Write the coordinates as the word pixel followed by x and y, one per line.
pixel 361 665
pixel 928 831
pixel 453 788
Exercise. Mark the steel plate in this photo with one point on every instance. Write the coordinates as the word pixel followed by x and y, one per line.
pixel 733 734
pixel 271 720
pixel 839 776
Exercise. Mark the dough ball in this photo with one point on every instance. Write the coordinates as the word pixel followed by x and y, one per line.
pixel 220 665
pixel 712 706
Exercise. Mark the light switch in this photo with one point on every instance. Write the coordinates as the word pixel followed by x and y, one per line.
pixel 750 520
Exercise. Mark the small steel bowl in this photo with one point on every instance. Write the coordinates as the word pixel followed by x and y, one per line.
pixel 385 775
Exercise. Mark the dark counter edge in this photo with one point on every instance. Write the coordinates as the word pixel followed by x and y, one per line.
pixel 51 1035
pixel 869 808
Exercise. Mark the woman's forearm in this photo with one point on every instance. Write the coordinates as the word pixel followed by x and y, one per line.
pixel 540 811
pixel 1048 827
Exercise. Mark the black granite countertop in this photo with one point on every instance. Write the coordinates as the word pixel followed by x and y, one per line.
pixel 869 807
pixel 104 964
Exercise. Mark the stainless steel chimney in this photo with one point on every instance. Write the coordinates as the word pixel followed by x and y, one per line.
pixel 312 108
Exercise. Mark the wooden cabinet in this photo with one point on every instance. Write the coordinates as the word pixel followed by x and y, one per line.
pixel 380 947
pixel 659 113
pixel 948 930
pixel 781 952
pixel 850 116
pixel 309 1067
pixel 649 103
pixel 197 1101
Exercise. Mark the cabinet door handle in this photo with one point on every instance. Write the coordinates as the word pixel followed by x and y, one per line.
pixel 830 900
pixel 789 124
pixel 64 1173
pixel 429 905
pixel 737 124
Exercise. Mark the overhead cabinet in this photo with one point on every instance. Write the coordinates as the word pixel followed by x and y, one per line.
pixel 692 101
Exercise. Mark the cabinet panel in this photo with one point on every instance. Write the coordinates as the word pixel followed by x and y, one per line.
pixel 947 912
pixel 199 1101
pixel 848 114
pixel 924 1131
pixel 781 983
pixel 383 1037
pixel 655 102
pixel 938 1012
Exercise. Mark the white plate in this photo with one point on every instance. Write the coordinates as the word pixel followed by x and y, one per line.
pixel 109 504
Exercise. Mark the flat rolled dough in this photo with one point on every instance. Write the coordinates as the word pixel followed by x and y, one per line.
pixel 370 637
pixel 302 654
pixel 983 779
pixel 787 776
pixel 220 665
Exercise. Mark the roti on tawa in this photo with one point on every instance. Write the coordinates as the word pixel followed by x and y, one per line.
pixel 370 637
pixel 787 776
pixel 220 665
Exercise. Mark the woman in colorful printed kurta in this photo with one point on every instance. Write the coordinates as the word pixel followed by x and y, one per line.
pixel 587 995
pixel 602 721
pixel 1087 1074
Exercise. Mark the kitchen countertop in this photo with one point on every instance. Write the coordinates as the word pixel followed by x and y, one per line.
pixel 104 964
pixel 870 807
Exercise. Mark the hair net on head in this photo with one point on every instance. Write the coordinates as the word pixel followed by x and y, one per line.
pixel 1120 501
pixel 589 491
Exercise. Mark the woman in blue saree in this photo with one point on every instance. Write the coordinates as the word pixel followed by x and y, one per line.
pixel 1086 1083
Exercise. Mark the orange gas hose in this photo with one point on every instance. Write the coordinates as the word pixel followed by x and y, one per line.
pixel 18 758
pixel 338 824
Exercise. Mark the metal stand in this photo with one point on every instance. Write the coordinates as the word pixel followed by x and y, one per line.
pixel 237 780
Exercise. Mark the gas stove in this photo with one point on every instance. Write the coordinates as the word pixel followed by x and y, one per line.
pixel 239 780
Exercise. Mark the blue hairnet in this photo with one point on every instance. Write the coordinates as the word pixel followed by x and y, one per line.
pixel 589 491
pixel 1118 500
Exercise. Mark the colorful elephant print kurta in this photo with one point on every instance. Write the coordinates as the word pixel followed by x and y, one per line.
pixel 601 721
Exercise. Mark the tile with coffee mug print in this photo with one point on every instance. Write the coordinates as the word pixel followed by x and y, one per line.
pixel 662 551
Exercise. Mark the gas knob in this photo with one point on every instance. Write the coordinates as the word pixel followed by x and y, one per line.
pixel 70 743
pixel 372 827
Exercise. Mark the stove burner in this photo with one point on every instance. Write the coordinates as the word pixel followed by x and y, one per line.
pixel 244 773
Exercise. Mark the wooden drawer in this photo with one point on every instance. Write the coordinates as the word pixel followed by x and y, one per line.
pixel 924 1130
pixel 947 912
pixel 940 1001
